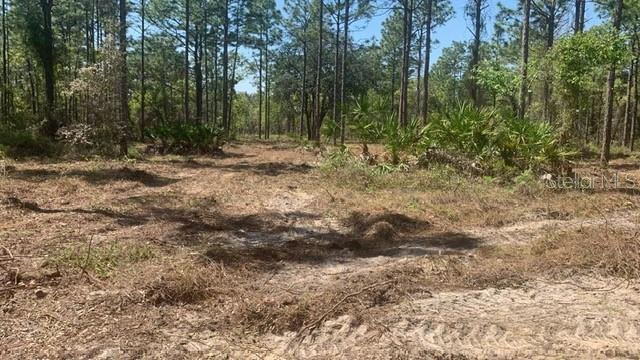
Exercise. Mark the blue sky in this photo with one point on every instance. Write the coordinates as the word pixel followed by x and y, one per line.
pixel 454 30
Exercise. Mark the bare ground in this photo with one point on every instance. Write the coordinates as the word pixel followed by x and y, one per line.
pixel 263 253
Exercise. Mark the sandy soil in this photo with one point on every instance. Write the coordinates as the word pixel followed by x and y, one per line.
pixel 290 263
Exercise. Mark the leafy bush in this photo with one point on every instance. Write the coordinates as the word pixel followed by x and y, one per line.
pixel 369 117
pixel 530 145
pixel 184 138
pixel 491 138
pixel 330 128
pixel 339 158
pixel 398 139
pixel 464 129
pixel 95 139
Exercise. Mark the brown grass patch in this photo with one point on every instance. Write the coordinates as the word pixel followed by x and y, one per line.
pixel 588 251
pixel 187 284
pixel 602 250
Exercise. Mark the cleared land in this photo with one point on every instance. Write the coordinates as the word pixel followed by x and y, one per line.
pixel 268 252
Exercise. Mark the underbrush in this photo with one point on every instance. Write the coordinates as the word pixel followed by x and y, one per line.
pixel 477 141
pixel 25 143
pixel 186 138
pixel 499 144
pixel 352 171
pixel 357 172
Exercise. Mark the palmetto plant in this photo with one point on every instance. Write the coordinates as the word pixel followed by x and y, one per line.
pixel 398 139
pixel 369 116
pixel 485 135
pixel 465 129
pixel 530 144
pixel 187 138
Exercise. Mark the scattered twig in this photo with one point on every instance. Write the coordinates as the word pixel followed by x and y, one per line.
pixel 86 259
pixel 587 288
pixel 9 258
pixel 91 279
pixel 314 325
pixel 8 252
pixel 333 199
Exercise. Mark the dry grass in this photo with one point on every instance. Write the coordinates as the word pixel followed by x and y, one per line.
pixel 187 284
pixel 606 252
pixel 591 251
pixel 218 238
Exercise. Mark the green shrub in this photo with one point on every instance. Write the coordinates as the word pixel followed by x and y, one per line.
pixel 330 128
pixel 338 158
pixel 184 138
pixel 398 139
pixel 466 130
pixel 369 116
pixel 498 142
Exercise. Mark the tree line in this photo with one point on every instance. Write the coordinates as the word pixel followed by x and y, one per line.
pixel 120 69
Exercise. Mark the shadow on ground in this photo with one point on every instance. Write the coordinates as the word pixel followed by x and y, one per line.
pixel 97 176
pixel 266 168
pixel 277 238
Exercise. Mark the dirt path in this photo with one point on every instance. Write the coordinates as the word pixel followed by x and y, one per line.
pixel 540 321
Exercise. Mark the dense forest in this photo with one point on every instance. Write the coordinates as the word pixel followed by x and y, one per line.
pixel 99 75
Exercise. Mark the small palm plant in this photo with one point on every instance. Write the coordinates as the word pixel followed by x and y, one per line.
pixel 369 114
pixel 398 138
pixel 465 129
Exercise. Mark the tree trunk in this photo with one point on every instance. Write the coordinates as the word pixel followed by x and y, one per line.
pixel 634 117
pixel 343 66
pixel 427 63
pixel 336 75
pixel 32 87
pixel 197 71
pixel 215 82
pixel 578 20
pixel 550 38
pixel 626 131
pixel 403 109
pixel 609 98
pixel 475 50
pixel 47 57
pixel 235 65
pixel 205 55
pixel 522 105
pixel 260 65
pixel 124 81
pixel 186 59
pixel 303 90
pixel 5 62
pixel 267 104
pixel 225 71
pixel 143 74
pixel 317 105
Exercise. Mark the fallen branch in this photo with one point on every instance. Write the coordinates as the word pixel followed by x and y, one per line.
pixel 314 325
pixel 9 258
pixel 8 253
